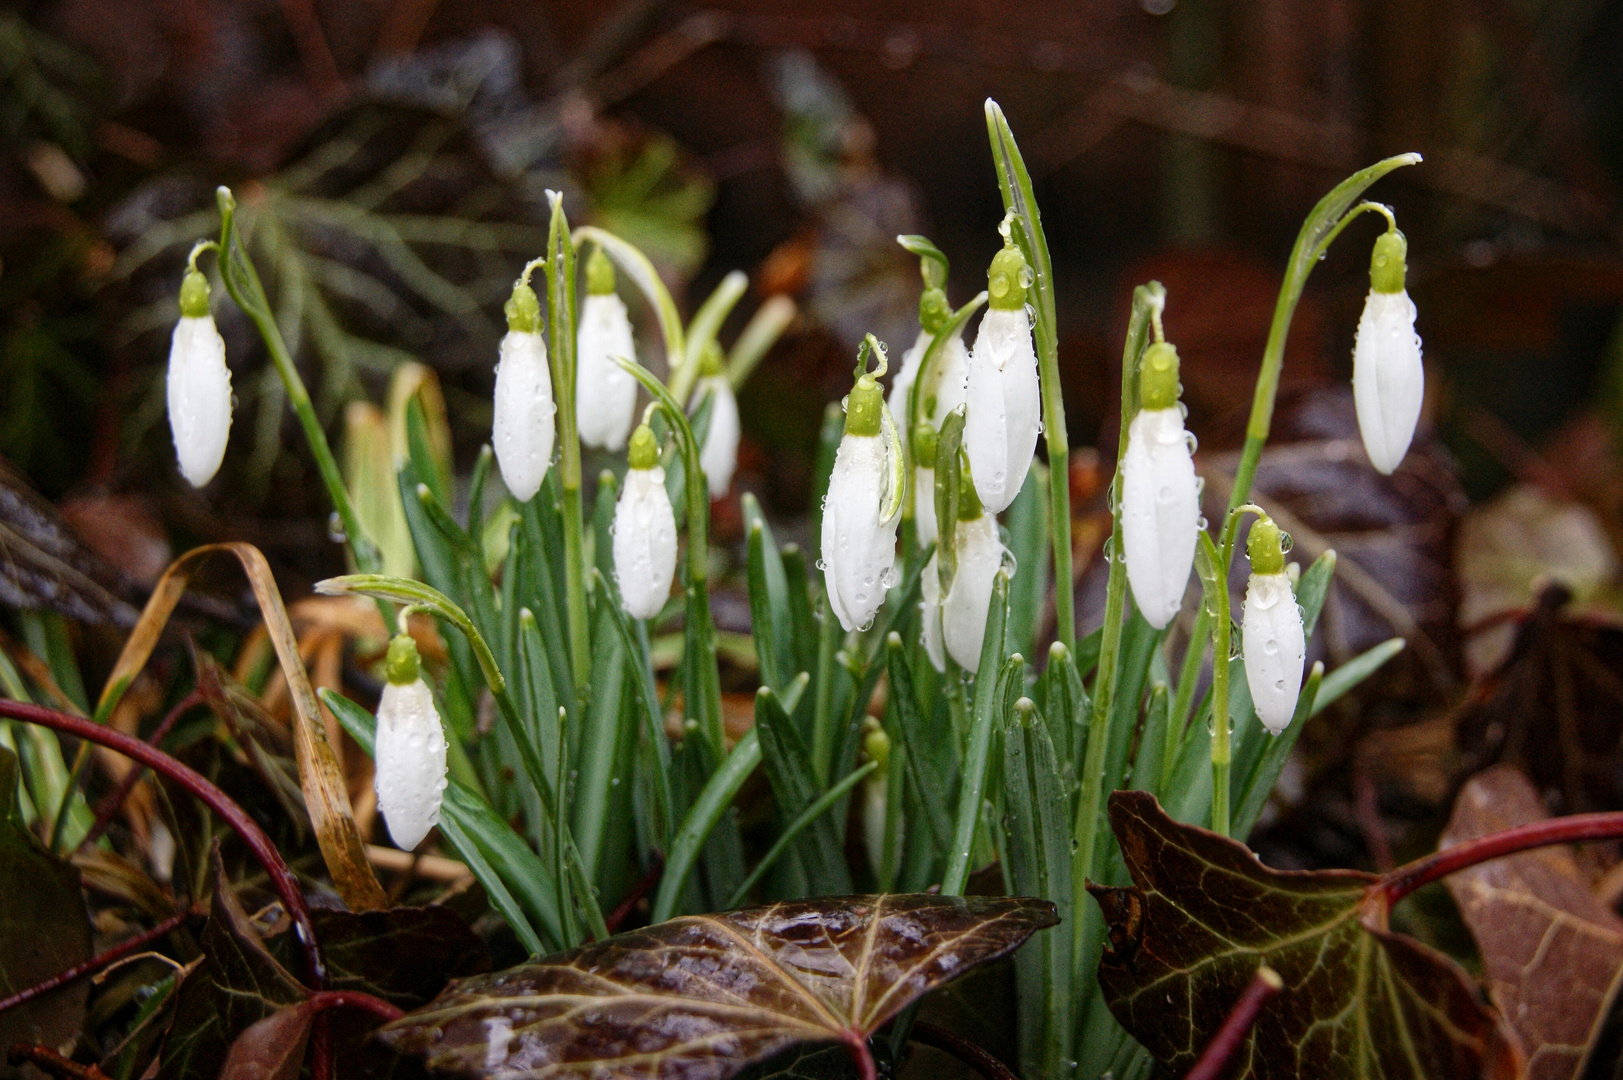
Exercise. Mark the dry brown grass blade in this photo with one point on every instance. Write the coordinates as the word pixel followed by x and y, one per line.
pixel 320 776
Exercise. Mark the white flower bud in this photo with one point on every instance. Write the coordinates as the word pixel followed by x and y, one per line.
pixel 199 386
pixel 1160 512
pixel 901 386
pixel 644 532
pixel 863 505
pixel 522 432
pixel 1004 407
pixel 1275 648
pixel 1389 381
pixel 963 610
pixel 719 455
pixel 410 750
pixel 930 611
pixel 924 506
pixel 605 393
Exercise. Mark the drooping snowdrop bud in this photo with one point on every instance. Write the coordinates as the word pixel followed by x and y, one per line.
pixel 1271 630
pixel 1001 391
pixel 980 554
pixel 644 531
pixel 1388 379
pixel 875 794
pixel 605 393
pixel 410 749
pixel 199 385
pixel 1160 499
pixel 864 501
pixel 925 438
pixel 719 455
pixel 523 428
pixel 933 315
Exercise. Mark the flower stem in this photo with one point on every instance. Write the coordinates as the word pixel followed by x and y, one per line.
pixel 972 1054
pixel 1406 879
pixel 281 878
pixel 1148 300
pixel 1214 1060
pixel 561 329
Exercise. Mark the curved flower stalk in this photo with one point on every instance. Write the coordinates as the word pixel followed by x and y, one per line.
pixel 955 623
pixel 644 531
pixel 1001 387
pixel 1271 630
pixel 411 750
pixel 522 431
pixel 719 455
pixel 199 383
pixel 1160 516
pixel 864 501
pixel 934 313
pixel 1389 381
pixel 605 394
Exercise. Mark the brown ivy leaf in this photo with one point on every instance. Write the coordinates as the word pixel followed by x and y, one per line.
pixel 700 997
pixel 1552 952
pixel 273 1048
pixel 1359 1000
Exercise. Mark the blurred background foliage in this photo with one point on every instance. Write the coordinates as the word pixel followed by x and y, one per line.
pixel 392 157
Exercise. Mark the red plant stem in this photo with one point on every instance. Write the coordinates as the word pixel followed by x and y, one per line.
pixel 641 889
pixel 109 806
pixel 49 1061
pixel 1214 1060
pixel 857 1043
pixel 95 963
pixel 354 999
pixel 974 1055
pixel 281 878
pixel 1562 830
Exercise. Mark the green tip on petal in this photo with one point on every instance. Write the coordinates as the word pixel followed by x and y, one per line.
pixel 1158 377
pixel 933 311
pixel 1007 278
pixel 644 452
pixel 523 310
pixel 925 440
pixel 599 273
pixel 194 295
pixel 402 664
pixel 1388 263
pixel 1266 547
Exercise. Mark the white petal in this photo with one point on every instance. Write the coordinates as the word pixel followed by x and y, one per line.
pixel 644 542
pixel 605 393
pixel 410 757
pixel 1275 649
pixel 199 392
pixel 522 430
pixel 963 611
pixel 930 610
pixel 1389 381
pixel 1160 513
pixel 858 548
pixel 719 455
pixel 952 373
pixel 924 506
pixel 902 384
pixel 1004 408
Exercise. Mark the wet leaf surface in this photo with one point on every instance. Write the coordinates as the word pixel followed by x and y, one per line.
pixel 704 996
pixel 1552 951
pixel 1359 1000
pixel 43 929
pixel 273 1048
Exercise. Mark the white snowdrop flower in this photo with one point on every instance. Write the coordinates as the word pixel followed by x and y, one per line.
pixel 410 749
pixel 925 438
pixel 901 387
pixel 199 385
pixel 935 647
pixel 1160 499
pixel 1271 630
pixel 605 392
pixel 864 502
pixel 1389 381
pixel 522 431
pixel 980 554
pixel 718 457
pixel 875 795
pixel 644 531
pixel 1001 389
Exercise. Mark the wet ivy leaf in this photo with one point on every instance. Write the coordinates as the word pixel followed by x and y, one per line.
pixel 1552 951
pixel 43 928
pixel 704 996
pixel 273 1048
pixel 1359 1000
